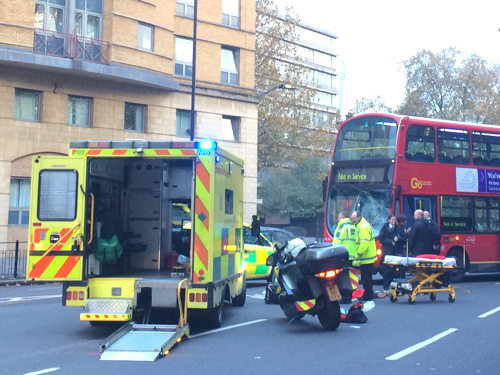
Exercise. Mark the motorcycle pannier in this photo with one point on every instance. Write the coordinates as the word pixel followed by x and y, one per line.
pixel 323 257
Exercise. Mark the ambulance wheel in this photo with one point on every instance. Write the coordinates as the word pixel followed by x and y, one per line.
pixel 451 298
pixel 432 296
pixel 329 315
pixel 239 300
pixel 214 316
pixel 393 298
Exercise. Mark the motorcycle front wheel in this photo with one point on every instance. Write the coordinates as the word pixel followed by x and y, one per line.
pixel 329 315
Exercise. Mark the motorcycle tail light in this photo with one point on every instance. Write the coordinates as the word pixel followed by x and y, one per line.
pixel 330 274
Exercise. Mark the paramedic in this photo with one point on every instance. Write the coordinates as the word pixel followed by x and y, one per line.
pixel 434 232
pixel 346 235
pixel 366 253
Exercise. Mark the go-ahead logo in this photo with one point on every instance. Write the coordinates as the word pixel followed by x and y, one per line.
pixel 415 183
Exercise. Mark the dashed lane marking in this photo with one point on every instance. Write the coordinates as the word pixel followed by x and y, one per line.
pixel 489 313
pixel 420 345
pixel 43 371
pixel 229 327
pixel 28 298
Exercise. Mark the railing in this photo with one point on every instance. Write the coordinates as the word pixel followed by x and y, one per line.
pixel 13 259
pixel 72 46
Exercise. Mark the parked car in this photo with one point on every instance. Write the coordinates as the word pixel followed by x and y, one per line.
pixel 277 235
pixel 257 249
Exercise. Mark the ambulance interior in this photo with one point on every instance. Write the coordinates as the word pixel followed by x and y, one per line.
pixel 142 215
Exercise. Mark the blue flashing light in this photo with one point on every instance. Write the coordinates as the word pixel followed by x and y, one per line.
pixel 207 145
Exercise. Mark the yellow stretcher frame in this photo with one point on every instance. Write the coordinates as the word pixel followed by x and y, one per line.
pixel 425 275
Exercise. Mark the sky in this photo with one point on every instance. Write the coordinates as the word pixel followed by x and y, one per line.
pixel 376 36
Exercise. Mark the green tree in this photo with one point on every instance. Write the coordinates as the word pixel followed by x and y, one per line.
pixel 365 105
pixel 285 132
pixel 295 192
pixel 451 86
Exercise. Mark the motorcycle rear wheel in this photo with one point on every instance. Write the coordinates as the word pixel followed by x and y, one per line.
pixel 329 315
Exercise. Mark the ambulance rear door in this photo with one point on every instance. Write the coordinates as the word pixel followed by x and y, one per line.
pixel 57 214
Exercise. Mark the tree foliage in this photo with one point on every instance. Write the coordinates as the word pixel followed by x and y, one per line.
pixel 295 192
pixel 285 131
pixel 452 86
pixel 365 105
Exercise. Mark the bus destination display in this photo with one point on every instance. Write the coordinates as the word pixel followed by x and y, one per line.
pixel 351 175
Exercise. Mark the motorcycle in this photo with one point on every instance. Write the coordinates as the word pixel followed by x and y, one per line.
pixel 306 280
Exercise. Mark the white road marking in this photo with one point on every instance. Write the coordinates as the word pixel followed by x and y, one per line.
pixel 256 296
pixel 229 327
pixel 28 298
pixel 420 345
pixel 42 371
pixel 489 313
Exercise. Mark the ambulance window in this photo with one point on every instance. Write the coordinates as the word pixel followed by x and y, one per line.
pixel 228 206
pixel 57 195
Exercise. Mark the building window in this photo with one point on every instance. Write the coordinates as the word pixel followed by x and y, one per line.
pixel 28 105
pixel 19 201
pixel 135 117
pixel 49 15
pixel 231 13
pixel 184 57
pixel 183 123
pixel 185 8
pixel 79 111
pixel 230 129
pixel 145 37
pixel 229 66
pixel 88 16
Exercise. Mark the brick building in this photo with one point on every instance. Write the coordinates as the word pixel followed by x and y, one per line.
pixel 120 69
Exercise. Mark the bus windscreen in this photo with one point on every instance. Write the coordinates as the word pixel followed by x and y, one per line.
pixel 365 138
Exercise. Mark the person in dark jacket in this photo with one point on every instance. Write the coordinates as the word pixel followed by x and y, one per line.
pixel 419 238
pixel 401 236
pixel 387 237
pixel 434 232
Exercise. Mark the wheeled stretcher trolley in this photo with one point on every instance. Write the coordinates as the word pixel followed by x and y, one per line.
pixel 430 276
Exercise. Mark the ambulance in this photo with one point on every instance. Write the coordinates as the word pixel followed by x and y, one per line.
pixel 140 231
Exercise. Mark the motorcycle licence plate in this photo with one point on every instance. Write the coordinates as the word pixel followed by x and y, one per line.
pixel 333 292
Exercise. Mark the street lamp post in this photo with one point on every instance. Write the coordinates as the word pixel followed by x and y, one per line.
pixel 281 86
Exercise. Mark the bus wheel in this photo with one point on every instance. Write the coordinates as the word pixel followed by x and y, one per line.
pixel 458 274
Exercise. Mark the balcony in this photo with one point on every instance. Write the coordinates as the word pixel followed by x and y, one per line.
pixel 71 46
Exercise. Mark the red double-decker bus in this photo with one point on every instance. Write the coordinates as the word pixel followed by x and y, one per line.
pixel 389 164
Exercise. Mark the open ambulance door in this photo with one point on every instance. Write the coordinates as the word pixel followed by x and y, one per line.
pixel 57 214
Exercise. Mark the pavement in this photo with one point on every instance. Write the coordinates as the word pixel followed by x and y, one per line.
pixel 10 280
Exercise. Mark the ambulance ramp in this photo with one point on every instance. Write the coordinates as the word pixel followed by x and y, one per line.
pixel 142 342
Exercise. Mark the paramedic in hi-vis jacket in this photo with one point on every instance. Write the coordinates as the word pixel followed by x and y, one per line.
pixel 366 253
pixel 346 235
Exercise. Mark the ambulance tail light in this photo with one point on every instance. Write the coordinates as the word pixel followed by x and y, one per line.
pixel 330 274
pixel 198 297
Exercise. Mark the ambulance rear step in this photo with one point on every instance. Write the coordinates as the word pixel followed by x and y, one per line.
pixel 142 342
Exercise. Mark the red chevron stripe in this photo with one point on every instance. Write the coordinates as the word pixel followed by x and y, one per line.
pixel 201 251
pixel 188 152
pixel 40 267
pixel 203 175
pixel 201 209
pixel 68 266
pixel 93 152
pixel 119 152
pixel 309 304
pixel 162 152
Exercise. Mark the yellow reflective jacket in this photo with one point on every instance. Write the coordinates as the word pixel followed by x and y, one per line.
pixel 346 234
pixel 366 248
